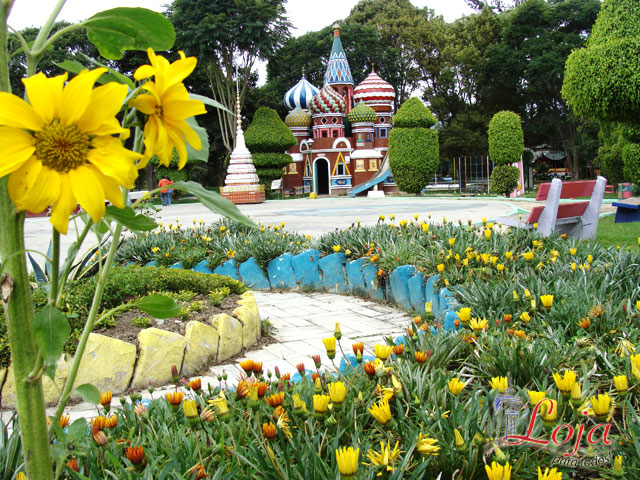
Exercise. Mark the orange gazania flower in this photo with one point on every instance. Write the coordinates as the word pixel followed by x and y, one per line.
pixel 421 357
pixel 247 366
pixel 369 368
pixel 585 323
pixel 276 399
pixel 100 438
pixel 73 465
pixel 98 424
pixel 242 389
pixel 470 338
pixel 286 376
pixel 398 349
pixel 198 469
pixel 269 430
pixel 111 421
pixel 175 398
pixel 195 384
pixel 105 398
pixel 357 347
pixel 262 389
pixel 257 368
pixel 135 455
pixel 64 421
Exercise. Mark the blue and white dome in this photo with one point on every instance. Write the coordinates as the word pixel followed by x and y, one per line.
pixel 300 95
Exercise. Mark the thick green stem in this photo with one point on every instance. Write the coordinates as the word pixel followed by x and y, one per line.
pixel 18 306
pixel 93 313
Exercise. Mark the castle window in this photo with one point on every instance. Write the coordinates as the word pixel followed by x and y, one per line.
pixel 335 133
pixel 373 165
pixel 360 166
pixel 292 168
pixel 324 120
pixel 340 169
pixel 383 133
pixel 368 137
pixel 334 120
pixel 325 134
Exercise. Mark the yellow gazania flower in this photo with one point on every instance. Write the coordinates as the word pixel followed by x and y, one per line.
pixel 528 255
pixel 385 393
pixel 382 351
pixel 498 472
pixel 549 411
pixel 525 317
pixel 426 445
pixel 617 465
pixel 60 150
pixel 499 383
pixel 190 408
pixel 336 248
pixel 635 365
pixel 536 397
pixel 456 386
pixel 320 403
pixel 440 267
pixel 167 106
pixel 381 411
pixel 347 459
pixel 552 474
pixel 329 344
pixel 428 308
pixel 478 325
pixel 601 405
pixel 566 382
pixel 621 383
pixel 386 457
pixel 337 392
pixel 487 234
pixel 464 315
pixel 452 241
pixel 547 301
pixel 638 305
pixel 508 255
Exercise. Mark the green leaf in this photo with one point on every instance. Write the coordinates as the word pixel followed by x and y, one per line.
pixel 158 306
pixel 77 430
pixel 52 331
pixel 118 29
pixel 203 153
pixel 211 102
pixel 89 393
pixel 214 202
pixel 127 216
pixel 112 76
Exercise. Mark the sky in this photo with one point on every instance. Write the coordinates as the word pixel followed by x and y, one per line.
pixel 306 15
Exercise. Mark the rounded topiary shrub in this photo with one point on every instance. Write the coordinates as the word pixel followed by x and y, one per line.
pixel 267 138
pixel 413 157
pixel 504 179
pixel 601 80
pixel 506 140
pixel 631 162
pixel 414 114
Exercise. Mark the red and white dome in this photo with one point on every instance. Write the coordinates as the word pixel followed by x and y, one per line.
pixel 374 91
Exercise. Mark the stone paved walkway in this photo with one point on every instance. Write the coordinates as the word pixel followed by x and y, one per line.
pixel 300 322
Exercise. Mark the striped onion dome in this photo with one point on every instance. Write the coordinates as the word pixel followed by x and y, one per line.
pixel 328 101
pixel 298 118
pixel 363 113
pixel 374 90
pixel 300 94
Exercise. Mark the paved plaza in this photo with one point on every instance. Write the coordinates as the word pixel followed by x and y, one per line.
pixel 309 217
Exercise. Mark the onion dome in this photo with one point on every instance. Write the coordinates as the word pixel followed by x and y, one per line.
pixel 298 118
pixel 328 101
pixel 363 113
pixel 374 90
pixel 300 94
pixel 338 71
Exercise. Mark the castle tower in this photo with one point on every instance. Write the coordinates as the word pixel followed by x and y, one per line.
pixel 379 95
pixel 241 184
pixel 338 73
pixel 328 108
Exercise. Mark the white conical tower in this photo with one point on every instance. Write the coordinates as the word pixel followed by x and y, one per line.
pixel 242 183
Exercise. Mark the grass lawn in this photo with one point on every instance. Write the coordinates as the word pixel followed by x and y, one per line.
pixel 611 234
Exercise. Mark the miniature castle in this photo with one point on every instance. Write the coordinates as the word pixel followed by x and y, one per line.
pixel 325 160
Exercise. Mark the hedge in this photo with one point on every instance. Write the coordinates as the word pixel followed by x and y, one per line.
pixel 504 179
pixel 602 80
pixel 413 157
pixel 268 133
pixel 414 114
pixel 631 161
pixel 506 140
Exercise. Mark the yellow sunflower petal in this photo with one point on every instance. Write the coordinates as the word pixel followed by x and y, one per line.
pixel 112 190
pixel 180 69
pixel 77 94
pixel 45 94
pixel 180 147
pixel 15 149
pixel 113 160
pixel 156 132
pixel 15 112
pixel 88 190
pixel 144 71
pixel 100 116
pixel 181 109
pixel 64 206
pixel 44 191
pixel 23 179
pixel 145 103
pixel 190 135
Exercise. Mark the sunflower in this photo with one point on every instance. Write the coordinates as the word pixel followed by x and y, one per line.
pixel 60 149
pixel 167 106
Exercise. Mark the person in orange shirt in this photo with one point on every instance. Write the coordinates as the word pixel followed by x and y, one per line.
pixel 165 193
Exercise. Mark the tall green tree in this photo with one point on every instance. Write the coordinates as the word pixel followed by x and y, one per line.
pixel 495 5
pixel 228 37
pixel 525 70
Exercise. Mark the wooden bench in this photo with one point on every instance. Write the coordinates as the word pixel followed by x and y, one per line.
pixel 576 219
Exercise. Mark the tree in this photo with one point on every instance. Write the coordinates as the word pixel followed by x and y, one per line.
pixel 504 179
pixel 506 141
pixel 413 146
pixel 228 36
pixel 267 138
pixel 494 5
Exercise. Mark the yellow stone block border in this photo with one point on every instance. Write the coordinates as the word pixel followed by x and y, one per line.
pixel 247 315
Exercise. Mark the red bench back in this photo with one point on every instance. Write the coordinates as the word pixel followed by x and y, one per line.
pixel 583 188
pixel 565 210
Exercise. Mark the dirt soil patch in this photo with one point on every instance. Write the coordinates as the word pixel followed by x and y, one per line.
pixel 130 323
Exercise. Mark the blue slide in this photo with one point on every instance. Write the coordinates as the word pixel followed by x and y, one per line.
pixel 379 177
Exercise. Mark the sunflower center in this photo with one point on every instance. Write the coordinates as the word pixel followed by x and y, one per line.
pixel 61 147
